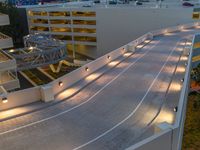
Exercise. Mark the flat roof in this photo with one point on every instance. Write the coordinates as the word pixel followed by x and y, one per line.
pixel 90 5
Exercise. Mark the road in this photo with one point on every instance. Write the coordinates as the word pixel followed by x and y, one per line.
pixel 110 113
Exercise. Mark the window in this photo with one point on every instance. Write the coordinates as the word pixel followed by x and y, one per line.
pixel 37 13
pixel 84 30
pixel 43 21
pixel 83 14
pixel 58 13
pixel 195 15
pixel 55 21
pixel 63 37
pixel 85 38
pixel 55 29
pixel 39 28
pixel 84 22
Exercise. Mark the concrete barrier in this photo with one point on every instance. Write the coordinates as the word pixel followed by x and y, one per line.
pixel 180 117
pixel 30 95
pixel 4 19
pixel 171 139
pixel 22 97
pixel 6 43
pixel 80 73
pixel 152 143
pixel 174 29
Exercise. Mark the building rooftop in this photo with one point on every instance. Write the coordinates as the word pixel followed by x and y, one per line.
pixel 91 5
pixel 102 114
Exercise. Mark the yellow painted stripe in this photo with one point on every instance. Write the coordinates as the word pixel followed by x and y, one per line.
pixel 196 58
pixel 197 45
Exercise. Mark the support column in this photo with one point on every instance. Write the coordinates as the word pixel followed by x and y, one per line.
pixel 47 93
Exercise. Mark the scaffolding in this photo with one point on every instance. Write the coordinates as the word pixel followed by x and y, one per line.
pixel 8 75
pixel 39 50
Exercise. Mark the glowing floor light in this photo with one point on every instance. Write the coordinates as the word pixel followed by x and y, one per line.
pixel 175 109
pixel 4 100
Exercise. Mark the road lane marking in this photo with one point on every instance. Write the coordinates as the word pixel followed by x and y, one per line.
pixel 132 113
pixel 59 114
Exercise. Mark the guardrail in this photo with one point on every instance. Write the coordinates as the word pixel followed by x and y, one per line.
pixel 9 64
pixel 6 42
pixel 4 20
pixel 180 117
pixel 171 138
pixel 80 73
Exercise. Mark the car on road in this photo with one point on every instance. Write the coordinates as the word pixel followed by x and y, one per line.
pixel 87 5
pixel 144 1
pixel 188 4
pixel 138 3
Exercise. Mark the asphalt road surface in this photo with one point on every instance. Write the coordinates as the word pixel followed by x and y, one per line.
pixel 109 114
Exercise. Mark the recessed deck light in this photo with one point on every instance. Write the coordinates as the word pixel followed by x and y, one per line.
pixel 182 80
pixel 60 83
pixel 175 109
pixel 4 100
pixel 86 69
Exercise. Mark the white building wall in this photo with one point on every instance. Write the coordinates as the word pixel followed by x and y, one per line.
pixel 118 26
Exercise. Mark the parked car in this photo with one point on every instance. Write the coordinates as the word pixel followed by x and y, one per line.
pixel 87 5
pixel 96 1
pixel 188 4
pixel 112 2
pixel 121 2
pixel 138 3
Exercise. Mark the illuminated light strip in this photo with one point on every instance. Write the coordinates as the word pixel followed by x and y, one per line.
pixel 196 45
pixel 196 58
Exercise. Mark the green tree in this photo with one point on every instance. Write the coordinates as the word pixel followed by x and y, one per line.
pixel 195 74
pixel 13 30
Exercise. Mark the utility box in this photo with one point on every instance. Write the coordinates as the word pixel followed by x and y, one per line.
pixel 47 93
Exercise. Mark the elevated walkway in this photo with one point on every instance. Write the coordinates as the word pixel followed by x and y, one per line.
pixel 8 77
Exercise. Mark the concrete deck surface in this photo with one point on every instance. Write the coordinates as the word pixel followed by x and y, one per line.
pixel 109 114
